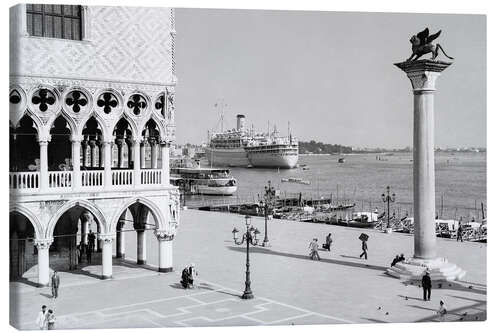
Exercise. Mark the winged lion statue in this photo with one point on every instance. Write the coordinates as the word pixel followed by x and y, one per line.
pixel 422 44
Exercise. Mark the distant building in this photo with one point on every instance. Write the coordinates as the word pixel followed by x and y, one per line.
pixel 91 120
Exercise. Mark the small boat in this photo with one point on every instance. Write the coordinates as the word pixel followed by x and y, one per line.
pixel 305 167
pixel 341 160
pixel 208 181
pixel 295 180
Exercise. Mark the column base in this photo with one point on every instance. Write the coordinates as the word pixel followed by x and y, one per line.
pixel 42 285
pixel 141 262
pixel 120 255
pixel 439 270
pixel 247 295
pixel 106 277
pixel 165 269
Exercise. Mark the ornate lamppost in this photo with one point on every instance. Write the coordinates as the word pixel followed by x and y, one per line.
pixel 269 197
pixel 250 236
pixel 388 198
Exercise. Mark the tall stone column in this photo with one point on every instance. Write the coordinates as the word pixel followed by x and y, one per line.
pixel 120 238
pixel 43 246
pixel 165 242
pixel 120 143
pixel 93 155
pixel 143 155
pixel 141 246
pixel 85 145
pixel 107 256
pixel 165 164
pixel 136 148
pixel 154 153
pixel 106 148
pixel 423 75
pixel 44 165
pixel 76 144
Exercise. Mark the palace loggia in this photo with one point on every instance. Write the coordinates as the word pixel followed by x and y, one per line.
pixel 92 118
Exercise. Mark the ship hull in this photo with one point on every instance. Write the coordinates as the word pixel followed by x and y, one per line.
pixel 236 157
pixel 272 160
pixel 211 190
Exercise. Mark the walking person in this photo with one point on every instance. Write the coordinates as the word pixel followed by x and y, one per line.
pixel 51 320
pixel 41 319
pixel 364 248
pixel 328 242
pixel 89 254
pixel 459 232
pixel 91 238
pixel 78 255
pixel 442 311
pixel 427 286
pixel 54 281
pixel 313 246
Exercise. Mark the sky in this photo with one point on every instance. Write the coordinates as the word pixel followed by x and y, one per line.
pixel 330 74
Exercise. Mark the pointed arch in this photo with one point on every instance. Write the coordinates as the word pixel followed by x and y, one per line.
pixel 35 222
pixel 70 204
pixel 132 124
pixel 71 122
pixel 159 124
pixel 100 122
pixel 153 208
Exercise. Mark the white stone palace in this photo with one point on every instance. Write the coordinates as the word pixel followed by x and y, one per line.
pixel 92 109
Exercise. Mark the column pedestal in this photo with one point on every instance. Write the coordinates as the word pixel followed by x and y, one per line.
pixel 120 242
pixel 423 75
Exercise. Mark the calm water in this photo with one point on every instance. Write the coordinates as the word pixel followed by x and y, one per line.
pixel 460 181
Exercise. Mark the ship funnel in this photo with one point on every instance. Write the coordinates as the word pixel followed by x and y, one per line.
pixel 240 122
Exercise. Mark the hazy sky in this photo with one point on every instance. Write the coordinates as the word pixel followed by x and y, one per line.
pixel 330 74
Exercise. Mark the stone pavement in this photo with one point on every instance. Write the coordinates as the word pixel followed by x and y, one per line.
pixel 289 287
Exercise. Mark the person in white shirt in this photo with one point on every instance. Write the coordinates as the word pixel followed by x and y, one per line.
pixel 41 320
pixel 442 310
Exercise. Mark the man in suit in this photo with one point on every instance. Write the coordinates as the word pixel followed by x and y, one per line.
pixel 364 247
pixel 427 285
pixel 55 284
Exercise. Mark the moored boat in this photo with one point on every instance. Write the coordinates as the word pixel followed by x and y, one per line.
pixel 207 181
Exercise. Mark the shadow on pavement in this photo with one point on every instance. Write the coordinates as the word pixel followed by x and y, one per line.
pixel 299 256
pixel 46 295
pixel 413 298
pixel 378 321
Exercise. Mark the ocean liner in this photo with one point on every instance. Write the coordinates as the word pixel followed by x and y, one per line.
pixel 241 147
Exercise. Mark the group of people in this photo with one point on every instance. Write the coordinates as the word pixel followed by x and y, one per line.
pixel 86 249
pixel 314 247
pixel 46 319
pixel 187 277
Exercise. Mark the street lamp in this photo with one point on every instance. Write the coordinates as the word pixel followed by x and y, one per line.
pixel 269 196
pixel 250 236
pixel 388 198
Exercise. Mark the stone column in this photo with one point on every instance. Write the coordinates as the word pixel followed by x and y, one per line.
pixel 76 144
pixel 423 75
pixel 44 165
pixel 120 238
pixel 85 144
pixel 154 153
pixel 141 246
pixel 129 144
pixel 107 153
pixel 93 154
pixel 143 155
pixel 101 154
pixel 136 148
pixel 165 164
pixel 43 246
pixel 84 229
pixel 107 255
pixel 121 160
pixel 165 242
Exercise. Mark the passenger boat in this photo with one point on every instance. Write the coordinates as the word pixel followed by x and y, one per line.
pixel 208 181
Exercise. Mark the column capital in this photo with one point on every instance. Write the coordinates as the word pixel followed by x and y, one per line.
pixel 75 138
pixel 106 238
pixel 423 73
pixel 163 235
pixel 44 139
pixel 43 244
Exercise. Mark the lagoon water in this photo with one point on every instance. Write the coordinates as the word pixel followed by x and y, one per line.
pixel 460 181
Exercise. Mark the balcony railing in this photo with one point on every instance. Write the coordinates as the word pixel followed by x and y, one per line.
pixel 151 177
pixel 122 177
pixel 24 180
pixel 90 180
pixel 60 179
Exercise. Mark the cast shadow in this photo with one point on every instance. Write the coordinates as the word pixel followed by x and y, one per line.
pixel 305 257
